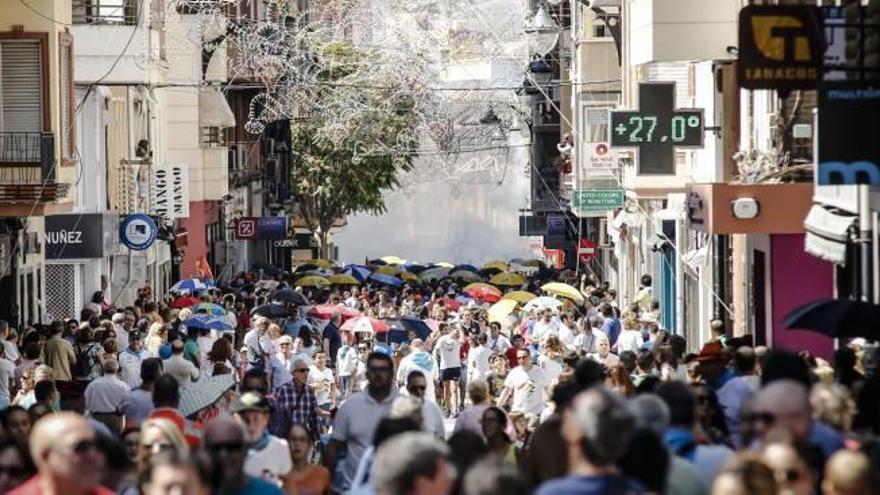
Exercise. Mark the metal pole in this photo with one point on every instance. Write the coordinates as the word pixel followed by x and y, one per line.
pixel 866 280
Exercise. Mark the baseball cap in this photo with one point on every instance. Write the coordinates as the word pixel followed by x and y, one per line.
pixel 250 401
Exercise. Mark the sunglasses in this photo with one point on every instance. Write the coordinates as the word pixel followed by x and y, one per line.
pixel 418 387
pixel 84 446
pixel 379 369
pixel 157 447
pixel 301 370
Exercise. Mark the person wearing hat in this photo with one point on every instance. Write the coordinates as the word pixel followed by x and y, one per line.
pixel 268 457
pixel 130 360
pixel 119 328
pixel 732 390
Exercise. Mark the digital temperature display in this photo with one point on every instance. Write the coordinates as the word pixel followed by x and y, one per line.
pixel 684 128
pixel 657 128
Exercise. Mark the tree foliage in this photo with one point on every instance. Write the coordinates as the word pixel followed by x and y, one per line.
pixel 355 139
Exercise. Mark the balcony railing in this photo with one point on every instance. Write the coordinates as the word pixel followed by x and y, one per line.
pixel 105 12
pixel 27 168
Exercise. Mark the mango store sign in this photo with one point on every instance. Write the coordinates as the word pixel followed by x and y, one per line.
pixel 169 191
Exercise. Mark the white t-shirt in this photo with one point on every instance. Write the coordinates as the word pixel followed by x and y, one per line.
pixel 566 336
pixel 270 463
pixel 322 382
pixel 528 389
pixel 478 362
pixel 7 372
pixel 346 360
pixel 259 346
pixel 419 361
pixel 552 368
pixel 500 344
pixel 629 340
pixel 11 349
pixel 448 349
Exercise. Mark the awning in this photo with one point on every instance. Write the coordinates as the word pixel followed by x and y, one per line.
pixel 827 234
pixel 214 110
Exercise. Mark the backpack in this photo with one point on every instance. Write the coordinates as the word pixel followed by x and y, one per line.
pixel 83 367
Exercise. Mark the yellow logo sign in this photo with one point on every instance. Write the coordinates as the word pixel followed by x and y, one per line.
pixel 781 38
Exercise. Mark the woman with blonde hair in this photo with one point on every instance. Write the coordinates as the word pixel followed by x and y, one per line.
pixel 156 336
pixel 550 359
pixel 833 405
pixel 157 435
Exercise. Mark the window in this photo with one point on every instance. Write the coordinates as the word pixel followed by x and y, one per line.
pixel 65 83
pixel 21 82
pixel 213 137
pixel 599 30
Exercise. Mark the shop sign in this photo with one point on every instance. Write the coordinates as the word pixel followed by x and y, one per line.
pixel 849 151
pixel 169 191
pixel 780 46
pixel 585 200
pixel 600 156
pixel 138 232
pixel 75 236
pixel 261 228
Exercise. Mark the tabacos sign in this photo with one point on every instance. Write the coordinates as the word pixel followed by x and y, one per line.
pixel 780 46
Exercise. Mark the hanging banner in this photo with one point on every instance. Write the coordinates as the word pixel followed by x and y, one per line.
pixel 169 191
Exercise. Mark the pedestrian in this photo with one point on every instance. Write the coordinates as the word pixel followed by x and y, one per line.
pixel 306 477
pixel 268 456
pixel 424 470
pixel 64 449
pixel 295 402
pixel 16 466
pixel 323 382
pixel 138 403
pixel 182 369
pixel 419 360
pixel 105 395
pixel 447 351
pixel 346 365
pixel 497 342
pixel 130 360
pixel 358 416
pixel 432 416
pixel 470 418
pixel 59 354
pixel 331 341
pixel 226 440
pixel 494 428
pixel 527 384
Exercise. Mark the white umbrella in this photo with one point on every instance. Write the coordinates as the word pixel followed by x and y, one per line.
pixel 543 302
pixel 203 393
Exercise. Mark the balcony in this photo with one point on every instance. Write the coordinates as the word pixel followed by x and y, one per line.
pixel 123 12
pixel 27 171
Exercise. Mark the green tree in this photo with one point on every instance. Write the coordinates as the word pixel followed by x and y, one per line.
pixel 357 135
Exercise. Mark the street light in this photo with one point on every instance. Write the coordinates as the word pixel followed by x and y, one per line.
pixel 542 32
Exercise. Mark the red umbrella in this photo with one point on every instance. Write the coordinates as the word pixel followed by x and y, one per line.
pixel 325 311
pixel 365 324
pixel 451 304
pixel 483 294
pixel 184 302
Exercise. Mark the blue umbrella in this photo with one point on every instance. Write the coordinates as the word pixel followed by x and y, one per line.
pixel 407 323
pixel 209 308
pixel 359 272
pixel 386 279
pixel 191 285
pixel 208 322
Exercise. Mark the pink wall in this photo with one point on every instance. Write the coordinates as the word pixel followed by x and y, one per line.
pixel 201 214
pixel 798 278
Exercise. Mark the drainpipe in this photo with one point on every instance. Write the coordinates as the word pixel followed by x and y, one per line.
pixel 866 280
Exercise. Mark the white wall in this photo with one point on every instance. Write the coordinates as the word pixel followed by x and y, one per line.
pixel 670 30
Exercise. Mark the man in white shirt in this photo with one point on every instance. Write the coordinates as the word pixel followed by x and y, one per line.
pixel 268 457
pixel 419 360
pixel 105 395
pixel 259 345
pixel 478 358
pixel 545 326
pixel 11 350
pixel 130 360
pixel 496 341
pixel 566 332
pixel 527 383
pixel 432 416
pixel 179 367
pixel 7 377
pixel 447 350
pixel 322 380
pixel 346 365
pixel 120 330
pixel 630 339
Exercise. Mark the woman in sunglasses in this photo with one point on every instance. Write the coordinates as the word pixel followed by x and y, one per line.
pixel 157 435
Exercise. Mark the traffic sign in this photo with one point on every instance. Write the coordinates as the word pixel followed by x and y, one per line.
pixel 246 228
pixel 586 250
pixel 138 232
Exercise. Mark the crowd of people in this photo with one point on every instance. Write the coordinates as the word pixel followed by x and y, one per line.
pixel 232 390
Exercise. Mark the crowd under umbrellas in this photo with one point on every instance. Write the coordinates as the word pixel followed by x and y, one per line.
pixel 503 377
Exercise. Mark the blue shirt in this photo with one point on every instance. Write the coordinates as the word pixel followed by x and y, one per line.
pixel 589 485
pixel 255 486
pixel 611 328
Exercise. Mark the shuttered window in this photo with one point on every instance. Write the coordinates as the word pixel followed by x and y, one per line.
pixel 21 86
pixel 65 83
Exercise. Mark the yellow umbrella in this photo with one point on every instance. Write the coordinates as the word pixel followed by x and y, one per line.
pixel 392 260
pixel 445 264
pixel 500 310
pixel 388 270
pixel 342 279
pixel 312 281
pixel 563 290
pixel 507 278
pixel 497 264
pixel 534 262
pixel 520 296
pixel 481 285
pixel 409 277
pixel 318 262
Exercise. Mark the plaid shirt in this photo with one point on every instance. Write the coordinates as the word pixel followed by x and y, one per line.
pixel 291 407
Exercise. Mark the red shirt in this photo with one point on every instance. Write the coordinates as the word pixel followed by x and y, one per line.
pixel 32 487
